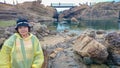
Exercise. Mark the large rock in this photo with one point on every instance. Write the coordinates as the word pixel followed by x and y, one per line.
pixel 33 11
pixel 113 42
pixel 88 47
pixel 102 10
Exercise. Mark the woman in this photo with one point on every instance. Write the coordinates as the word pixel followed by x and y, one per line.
pixel 22 49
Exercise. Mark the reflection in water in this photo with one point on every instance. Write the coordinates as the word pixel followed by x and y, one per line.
pixel 88 24
pixel 109 26
pixel 62 26
pixel 103 24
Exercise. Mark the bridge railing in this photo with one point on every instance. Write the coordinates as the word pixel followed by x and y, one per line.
pixel 62 5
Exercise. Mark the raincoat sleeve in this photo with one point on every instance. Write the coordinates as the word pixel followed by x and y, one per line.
pixel 38 56
pixel 5 59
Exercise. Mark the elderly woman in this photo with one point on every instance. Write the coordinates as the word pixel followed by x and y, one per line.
pixel 22 49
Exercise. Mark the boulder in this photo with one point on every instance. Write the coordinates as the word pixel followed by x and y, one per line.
pixel 113 43
pixel 111 38
pixel 86 46
pixel 100 36
pixel 74 21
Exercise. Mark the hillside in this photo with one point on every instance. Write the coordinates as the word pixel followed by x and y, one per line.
pixel 31 10
pixel 103 10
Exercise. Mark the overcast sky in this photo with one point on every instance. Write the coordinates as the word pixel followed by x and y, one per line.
pixel 47 2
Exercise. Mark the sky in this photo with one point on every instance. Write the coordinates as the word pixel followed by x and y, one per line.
pixel 48 2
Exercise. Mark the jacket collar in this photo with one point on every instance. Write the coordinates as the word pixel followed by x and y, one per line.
pixel 18 36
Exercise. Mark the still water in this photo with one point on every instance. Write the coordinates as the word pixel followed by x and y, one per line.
pixel 108 25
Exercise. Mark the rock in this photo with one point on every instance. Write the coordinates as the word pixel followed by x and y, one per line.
pixel 90 33
pixel 33 11
pixel 98 55
pixel 63 60
pixel 53 54
pixel 88 47
pixel 66 30
pixel 36 26
pixel 52 32
pixel 80 42
pixel 111 36
pixel 39 1
pixel 100 36
pixel 58 50
pixel 2 31
pixel 62 56
pixel 74 20
pixel 46 34
pixel 72 34
pixel 113 41
pixel 87 60
pixel 8 31
pixel 100 32
pixel 94 12
pixel 40 37
pixel 116 58
pixel 41 30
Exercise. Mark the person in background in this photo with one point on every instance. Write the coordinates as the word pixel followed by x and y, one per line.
pixel 22 49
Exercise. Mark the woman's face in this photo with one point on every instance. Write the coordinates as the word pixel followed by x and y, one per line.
pixel 23 30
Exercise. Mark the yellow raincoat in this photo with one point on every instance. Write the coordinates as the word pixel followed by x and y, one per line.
pixel 21 53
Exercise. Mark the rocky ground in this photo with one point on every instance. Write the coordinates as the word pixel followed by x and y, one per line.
pixel 68 53
pixel 90 49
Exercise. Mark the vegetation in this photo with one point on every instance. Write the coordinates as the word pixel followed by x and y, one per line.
pixel 7 23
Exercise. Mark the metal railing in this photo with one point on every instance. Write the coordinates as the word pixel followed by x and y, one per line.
pixel 62 5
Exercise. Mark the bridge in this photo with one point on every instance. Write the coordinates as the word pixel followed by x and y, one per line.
pixel 62 5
